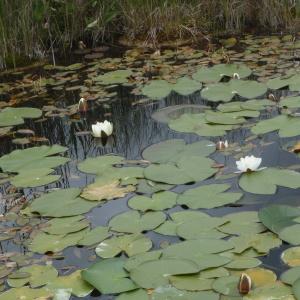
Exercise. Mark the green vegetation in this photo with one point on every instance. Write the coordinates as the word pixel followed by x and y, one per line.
pixel 35 28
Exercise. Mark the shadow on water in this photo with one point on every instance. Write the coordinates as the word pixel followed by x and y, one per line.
pixel 134 130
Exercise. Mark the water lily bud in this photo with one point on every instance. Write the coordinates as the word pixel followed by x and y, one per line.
pixel 245 284
pixel 272 98
pixel 82 105
pixel 236 76
pixel 222 145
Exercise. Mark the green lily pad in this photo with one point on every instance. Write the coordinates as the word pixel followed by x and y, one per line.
pixel 191 282
pixel 262 243
pixel 227 285
pixel 72 282
pixel 131 244
pixel 134 261
pixel 272 291
pixel 66 225
pixel 291 256
pixel 290 102
pixel 150 187
pixel 114 77
pixel 158 89
pixel 108 276
pixel 25 293
pixel 217 72
pixel 171 150
pixel 11 116
pixel 266 181
pixel 99 164
pixel 134 295
pixel 278 83
pixel 61 203
pixel 134 222
pixel 290 275
pixel 208 196
pixel 241 262
pixel 33 158
pixel 287 126
pixel 158 201
pixel 39 275
pixel 237 106
pixel 226 91
pixel 296 289
pixel 43 242
pixel 95 236
pixel 196 123
pixel 153 274
pixel 167 173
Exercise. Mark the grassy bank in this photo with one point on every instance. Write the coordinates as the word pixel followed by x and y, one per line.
pixel 35 28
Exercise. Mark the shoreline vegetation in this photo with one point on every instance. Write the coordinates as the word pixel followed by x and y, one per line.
pixel 34 29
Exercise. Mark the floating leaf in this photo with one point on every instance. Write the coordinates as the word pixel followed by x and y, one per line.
pixel 217 72
pixel 153 274
pixel 138 259
pixel 208 196
pixel 99 164
pixel 291 256
pixel 133 222
pixel 61 203
pixel 135 295
pixel 290 275
pixel 114 77
pixel 266 181
pixel 226 91
pixel 131 244
pixel 260 276
pixel 158 89
pixel 108 276
pixel 72 282
pixel 39 275
pixel 171 150
pixel 191 282
pixel 100 191
pixel 159 201
pixel 43 242
pixel 227 285
pixel 196 123
pixel 94 236
pixel 25 293
pixel 287 126
pixel 11 116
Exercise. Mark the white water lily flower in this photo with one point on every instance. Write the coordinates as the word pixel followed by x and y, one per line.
pixel 99 128
pixel 249 163
pixel 236 76
pixel 222 145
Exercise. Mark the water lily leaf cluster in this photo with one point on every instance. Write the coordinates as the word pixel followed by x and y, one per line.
pixel 33 165
pixel 159 89
pixel 292 82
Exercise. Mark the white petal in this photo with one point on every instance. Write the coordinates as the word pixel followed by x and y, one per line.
pixel 96 130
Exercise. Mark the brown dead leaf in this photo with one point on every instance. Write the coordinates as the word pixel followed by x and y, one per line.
pixel 106 191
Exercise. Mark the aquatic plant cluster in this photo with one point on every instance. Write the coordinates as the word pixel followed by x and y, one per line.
pixel 37 28
pixel 197 214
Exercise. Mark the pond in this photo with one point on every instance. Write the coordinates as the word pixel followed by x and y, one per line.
pixel 165 207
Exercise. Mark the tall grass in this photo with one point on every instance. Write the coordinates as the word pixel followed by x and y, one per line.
pixel 35 28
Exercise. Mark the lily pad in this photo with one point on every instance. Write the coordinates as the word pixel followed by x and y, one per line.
pixel 158 89
pixel 133 222
pixel 25 293
pixel 217 72
pixel 108 276
pixel 287 126
pixel 61 203
pixel 227 285
pixel 191 282
pixel 134 295
pixel 291 256
pixel 72 282
pixel 159 201
pixel 196 123
pixel 131 244
pixel 11 116
pixel 266 181
pixel 208 196
pixel 290 275
pixel 39 275
pixel 153 274
pixel 94 236
pixel 114 77
pixel 100 191
pixel 226 91
pixel 171 150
